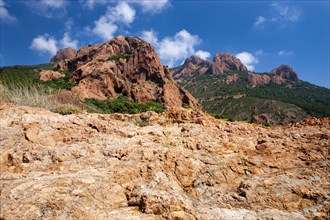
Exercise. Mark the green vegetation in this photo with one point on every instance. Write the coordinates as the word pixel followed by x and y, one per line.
pixel 240 101
pixel 119 56
pixel 21 85
pixel 121 104
pixel 61 83
pixel 27 77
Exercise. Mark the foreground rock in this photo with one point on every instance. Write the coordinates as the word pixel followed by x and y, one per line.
pixel 128 66
pixel 177 165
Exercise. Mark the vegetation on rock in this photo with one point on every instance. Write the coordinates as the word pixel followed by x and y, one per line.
pixel 121 104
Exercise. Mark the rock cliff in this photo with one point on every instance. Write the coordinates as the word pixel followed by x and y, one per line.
pixel 128 66
pixel 182 165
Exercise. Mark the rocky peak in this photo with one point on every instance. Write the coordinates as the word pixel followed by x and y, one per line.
pixel 62 54
pixel 285 72
pixel 228 62
pixel 124 65
pixel 222 62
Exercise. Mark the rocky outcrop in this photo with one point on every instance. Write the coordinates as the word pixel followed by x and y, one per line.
pixel 221 63
pixel 226 62
pixel 128 66
pixel 182 165
pixel 278 76
pixel 46 75
pixel 63 54
pixel 258 79
pixel 285 72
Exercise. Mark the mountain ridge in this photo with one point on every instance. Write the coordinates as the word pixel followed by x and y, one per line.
pixel 244 95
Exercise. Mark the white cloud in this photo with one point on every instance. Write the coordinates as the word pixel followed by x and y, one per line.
pixel 175 49
pixel 66 41
pixel 202 54
pixel 153 6
pixel 52 3
pixel 47 44
pixel 91 3
pixel 260 21
pixel 150 37
pixel 286 13
pixel 44 44
pixel 48 8
pixel 106 26
pixel 5 16
pixel 284 53
pixel 247 59
pixel 123 12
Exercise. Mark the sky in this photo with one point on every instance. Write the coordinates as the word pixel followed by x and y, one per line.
pixel 262 34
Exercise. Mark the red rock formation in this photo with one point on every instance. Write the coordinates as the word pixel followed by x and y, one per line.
pixel 46 75
pixel 227 62
pixel 221 63
pixel 124 65
pixel 278 76
pixel 285 72
pixel 62 54
pixel 258 79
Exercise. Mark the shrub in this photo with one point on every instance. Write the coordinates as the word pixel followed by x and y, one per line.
pixel 66 109
pixel 121 104
pixel 119 56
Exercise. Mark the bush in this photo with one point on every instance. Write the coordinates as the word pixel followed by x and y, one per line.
pixel 66 109
pixel 122 105
pixel 119 56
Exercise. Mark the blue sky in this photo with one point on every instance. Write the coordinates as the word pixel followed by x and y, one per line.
pixel 263 34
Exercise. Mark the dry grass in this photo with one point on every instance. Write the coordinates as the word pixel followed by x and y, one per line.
pixel 41 97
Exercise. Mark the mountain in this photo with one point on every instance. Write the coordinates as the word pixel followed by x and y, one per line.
pixel 277 97
pixel 222 62
pixel 127 66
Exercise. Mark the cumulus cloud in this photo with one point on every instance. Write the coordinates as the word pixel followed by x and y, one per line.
pixel 202 54
pixel 104 28
pixel 153 6
pixel 44 44
pixel 107 24
pixel 248 59
pixel 5 16
pixel 284 53
pixel 150 37
pixel 66 41
pixel 260 21
pixel 175 49
pixel 123 12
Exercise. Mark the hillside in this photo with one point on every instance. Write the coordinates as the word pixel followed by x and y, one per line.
pixel 269 98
